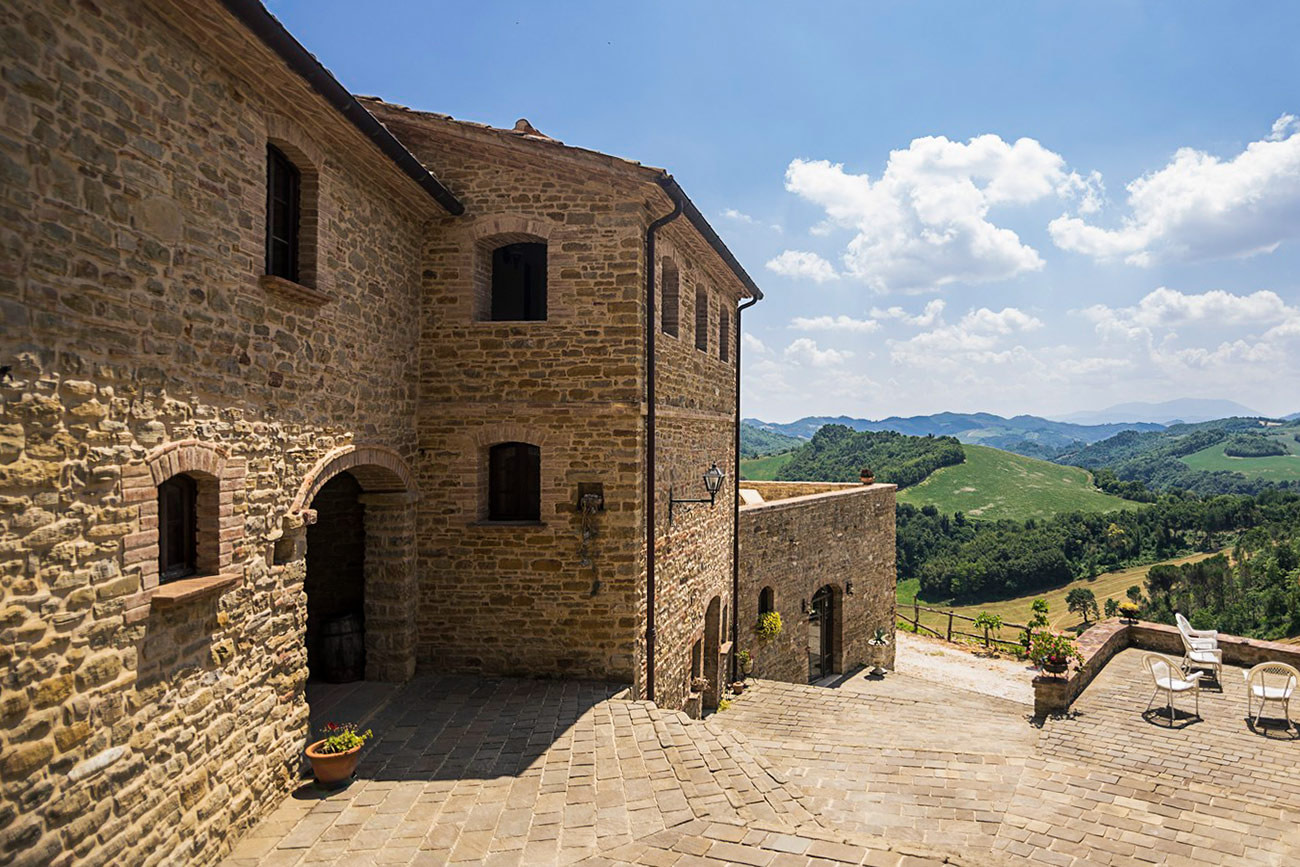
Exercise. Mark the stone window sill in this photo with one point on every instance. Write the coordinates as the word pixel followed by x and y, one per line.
pixel 295 292
pixel 188 589
pixel 488 523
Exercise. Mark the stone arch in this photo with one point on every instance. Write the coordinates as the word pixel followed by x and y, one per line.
pixel 376 468
pixel 387 496
pixel 496 231
pixel 478 446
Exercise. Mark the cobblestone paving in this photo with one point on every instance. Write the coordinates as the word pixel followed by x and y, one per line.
pixel 899 771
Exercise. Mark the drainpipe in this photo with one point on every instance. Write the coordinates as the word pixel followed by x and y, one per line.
pixel 651 328
pixel 735 509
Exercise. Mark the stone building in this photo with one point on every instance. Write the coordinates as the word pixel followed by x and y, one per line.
pixel 300 385
pixel 821 555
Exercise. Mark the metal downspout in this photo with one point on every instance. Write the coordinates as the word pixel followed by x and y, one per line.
pixel 651 328
pixel 735 509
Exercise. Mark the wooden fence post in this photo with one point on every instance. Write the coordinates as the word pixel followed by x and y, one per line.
pixel 950 626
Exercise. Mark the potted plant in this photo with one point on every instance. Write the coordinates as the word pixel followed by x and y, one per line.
pixel 880 638
pixel 745 662
pixel 866 476
pixel 334 757
pixel 699 684
pixel 1129 610
pixel 1052 652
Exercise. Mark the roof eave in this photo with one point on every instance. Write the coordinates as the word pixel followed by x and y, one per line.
pixel 692 213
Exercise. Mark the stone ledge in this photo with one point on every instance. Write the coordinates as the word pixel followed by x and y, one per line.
pixel 187 589
pixel 295 292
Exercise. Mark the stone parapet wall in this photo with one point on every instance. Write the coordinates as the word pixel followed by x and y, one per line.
pixel 799 544
pixel 773 491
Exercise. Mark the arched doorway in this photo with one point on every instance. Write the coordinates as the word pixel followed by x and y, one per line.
pixel 336 583
pixel 821 634
pixel 712 651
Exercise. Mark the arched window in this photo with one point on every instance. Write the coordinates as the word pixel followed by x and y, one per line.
pixel 724 335
pixel 766 600
pixel 701 320
pixel 519 282
pixel 515 482
pixel 671 314
pixel 177 528
pixel 283 214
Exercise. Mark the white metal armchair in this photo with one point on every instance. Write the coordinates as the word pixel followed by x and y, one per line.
pixel 1201 639
pixel 1168 677
pixel 1270 681
pixel 1201 657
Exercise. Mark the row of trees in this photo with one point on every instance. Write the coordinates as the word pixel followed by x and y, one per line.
pixel 836 453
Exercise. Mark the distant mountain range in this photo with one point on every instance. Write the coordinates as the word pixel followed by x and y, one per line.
pixel 1026 434
pixel 1185 409
pixel 1292 417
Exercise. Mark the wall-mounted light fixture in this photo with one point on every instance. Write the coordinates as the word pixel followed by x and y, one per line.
pixel 712 483
pixel 848 588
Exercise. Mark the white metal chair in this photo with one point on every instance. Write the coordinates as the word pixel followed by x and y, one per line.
pixel 1168 677
pixel 1201 639
pixel 1201 657
pixel 1270 681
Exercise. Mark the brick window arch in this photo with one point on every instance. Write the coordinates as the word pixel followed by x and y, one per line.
pixel 178 527
pixel 724 335
pixel 766 600
pixel 671 306
pixel 701 320
pixel 293 166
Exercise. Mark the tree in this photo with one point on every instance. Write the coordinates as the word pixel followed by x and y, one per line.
pixel 1134 593
pixel 1083 602
pixel 1112 607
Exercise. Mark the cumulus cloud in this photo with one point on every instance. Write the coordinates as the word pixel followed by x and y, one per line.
pixel 805 351
pixel 742 217
pixel 1199 207
pixel 927 317
pixel 978 337
pixel 753 344
pixel 925 222
pixel 797 263
pixel 1166 308
pixel 835 323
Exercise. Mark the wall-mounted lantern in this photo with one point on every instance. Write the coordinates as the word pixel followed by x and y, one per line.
pixel 712 483
pixel 848 588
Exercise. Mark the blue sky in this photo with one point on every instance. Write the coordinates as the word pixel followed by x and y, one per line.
pixel 1012 207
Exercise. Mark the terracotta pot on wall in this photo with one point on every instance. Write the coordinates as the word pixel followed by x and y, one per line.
pixel 332 769
pixel 867 477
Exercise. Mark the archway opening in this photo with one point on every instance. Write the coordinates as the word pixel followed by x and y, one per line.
pixel 336 583
pixel 822 624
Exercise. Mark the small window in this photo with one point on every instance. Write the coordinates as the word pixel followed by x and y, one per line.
pixel 515 482
pixel 283 214
pixel 177 528
pixel 519 282
pixel 724 335
pixel 766 600
pixel 701 320
pixel 671 314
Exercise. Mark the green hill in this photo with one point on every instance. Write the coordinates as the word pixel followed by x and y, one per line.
pixel 764 469
pixel 1274 468
pixel 756 442
pixel 837 453
pixel 993 484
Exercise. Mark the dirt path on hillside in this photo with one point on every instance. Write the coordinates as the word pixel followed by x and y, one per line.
pixel 938 661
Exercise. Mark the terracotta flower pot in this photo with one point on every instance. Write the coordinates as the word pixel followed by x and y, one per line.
pixel 332 769
pixel 1055 667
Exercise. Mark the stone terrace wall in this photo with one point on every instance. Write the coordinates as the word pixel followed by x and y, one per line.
pixel 800 544
pixel 133 165
pixel 772 491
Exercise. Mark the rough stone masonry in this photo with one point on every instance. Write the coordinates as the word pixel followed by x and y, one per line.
pixel 147 720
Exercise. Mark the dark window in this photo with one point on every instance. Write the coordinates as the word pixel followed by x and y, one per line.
pixel 177 528
pixel 671 314
pixel 701 320
pixel 515 482
pixel 766 600
pixel 724 335
pixel 283 183
pixel 519 282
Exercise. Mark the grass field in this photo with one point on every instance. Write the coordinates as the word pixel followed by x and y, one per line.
pixel 994 484
pixel 1278 468
pixel 763 469
pixel 1110 585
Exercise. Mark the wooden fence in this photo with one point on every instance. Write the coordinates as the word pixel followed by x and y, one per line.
pixel 947 634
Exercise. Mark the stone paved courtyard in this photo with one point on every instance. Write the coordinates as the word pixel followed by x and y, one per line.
pixel 881 772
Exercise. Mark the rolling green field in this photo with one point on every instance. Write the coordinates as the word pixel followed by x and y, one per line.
pixel 994 484
pixel 763 469
pixel 1278 468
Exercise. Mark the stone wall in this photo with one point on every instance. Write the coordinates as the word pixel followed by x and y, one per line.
pixel 143 722
pixel 805 542
pixel 772 491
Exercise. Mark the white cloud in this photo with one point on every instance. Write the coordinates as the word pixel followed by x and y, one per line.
pixel 1169 308
pixel 796 263
pixel 753 344
pixel 927 317
pixel 925 222
pixel 1199 207
pixel 805 351
pixel 979 337
pixel 835 323
pixel 741 217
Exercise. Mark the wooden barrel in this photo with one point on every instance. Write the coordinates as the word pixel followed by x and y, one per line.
pixel 342 650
